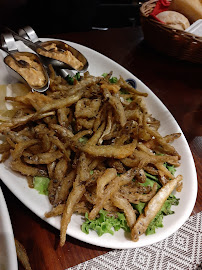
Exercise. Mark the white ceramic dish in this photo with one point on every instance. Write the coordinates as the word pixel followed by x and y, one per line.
pixel 39 204
pixel 8 258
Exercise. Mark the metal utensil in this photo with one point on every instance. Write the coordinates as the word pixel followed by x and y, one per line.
pixel 8 45
pixel 35 46
pixel 28 33
pixel 20 63
pixel 28 42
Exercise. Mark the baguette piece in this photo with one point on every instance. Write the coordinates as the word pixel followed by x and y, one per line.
pixel 192 9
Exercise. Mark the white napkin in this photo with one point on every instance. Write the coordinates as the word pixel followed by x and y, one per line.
pixel 180 251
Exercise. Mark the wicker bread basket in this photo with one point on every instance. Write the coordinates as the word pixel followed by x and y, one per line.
pixel 173 42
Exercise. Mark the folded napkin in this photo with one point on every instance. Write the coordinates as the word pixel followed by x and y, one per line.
pixel 180 251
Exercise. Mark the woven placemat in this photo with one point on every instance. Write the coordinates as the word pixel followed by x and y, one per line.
pixel 180 251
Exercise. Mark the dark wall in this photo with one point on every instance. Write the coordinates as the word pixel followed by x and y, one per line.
pixel 48 16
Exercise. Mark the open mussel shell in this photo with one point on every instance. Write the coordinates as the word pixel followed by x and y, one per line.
pixel 20 77
pixel 64 47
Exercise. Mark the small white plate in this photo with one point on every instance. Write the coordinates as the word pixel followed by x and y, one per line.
pixel 39 204
pixel 8 258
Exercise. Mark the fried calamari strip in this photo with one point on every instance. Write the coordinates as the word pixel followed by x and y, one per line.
pixel 75 195
pixel 113 187
pixel 110 151
pixel 123 204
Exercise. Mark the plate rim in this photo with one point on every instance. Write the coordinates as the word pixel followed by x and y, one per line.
pixel 9 235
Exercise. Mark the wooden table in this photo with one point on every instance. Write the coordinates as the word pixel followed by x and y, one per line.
pixel 178 85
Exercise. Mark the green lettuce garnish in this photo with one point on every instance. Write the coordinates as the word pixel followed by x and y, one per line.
pixel 113 80
pixel 70 79
pixel 129 99
pixel 77 76
pixel 83 140
pixel 41 184
pixel 105 224
pixel 150 180
pixel 123 91
pixel 104 74
pixel 151 176
pixel 171 168
pixel 139 207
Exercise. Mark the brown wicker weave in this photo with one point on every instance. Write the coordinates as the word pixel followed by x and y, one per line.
pixel 177 43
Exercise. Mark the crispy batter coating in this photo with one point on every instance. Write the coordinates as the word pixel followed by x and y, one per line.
pixel 91 139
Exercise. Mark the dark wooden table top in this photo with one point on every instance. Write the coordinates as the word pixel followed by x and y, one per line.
pixel 179 86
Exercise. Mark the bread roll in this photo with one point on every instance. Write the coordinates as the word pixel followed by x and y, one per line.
pixel 174 19
pixel 192 9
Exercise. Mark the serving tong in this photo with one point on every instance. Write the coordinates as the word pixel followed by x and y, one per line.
pixel 28 34
pixel 29 37
pixel 8 45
